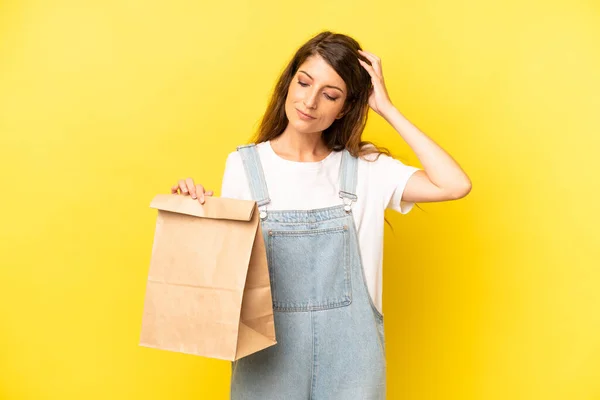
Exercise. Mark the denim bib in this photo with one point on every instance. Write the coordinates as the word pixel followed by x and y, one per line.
pixel 330 336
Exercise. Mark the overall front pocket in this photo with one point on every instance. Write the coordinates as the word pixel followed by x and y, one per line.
pixel 309 269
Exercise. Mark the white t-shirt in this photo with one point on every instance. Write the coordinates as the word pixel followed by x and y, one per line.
pixel 294 185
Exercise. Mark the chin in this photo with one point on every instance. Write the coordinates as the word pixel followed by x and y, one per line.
pixel 303 127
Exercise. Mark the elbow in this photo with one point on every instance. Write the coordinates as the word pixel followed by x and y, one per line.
pixel 461 190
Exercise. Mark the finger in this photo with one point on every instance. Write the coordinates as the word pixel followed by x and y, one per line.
pixel 174 189
pixel 200 191
pixel 190 187
pixel 375 62
pixel 183 186
pixel 376 79
pixel 368 68
pixel 370 55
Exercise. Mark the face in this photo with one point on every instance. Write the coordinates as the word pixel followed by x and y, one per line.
pixel 318 91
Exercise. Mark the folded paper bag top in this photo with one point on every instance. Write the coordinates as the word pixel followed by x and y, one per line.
pixel 208 291
pixel 214 207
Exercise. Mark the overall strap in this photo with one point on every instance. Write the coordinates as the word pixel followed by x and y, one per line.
pixel 255 175
pixel 348 174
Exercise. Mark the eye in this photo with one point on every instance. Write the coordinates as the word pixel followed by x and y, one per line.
pixel 328 97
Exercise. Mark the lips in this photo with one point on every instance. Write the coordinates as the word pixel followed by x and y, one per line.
pixel 304 115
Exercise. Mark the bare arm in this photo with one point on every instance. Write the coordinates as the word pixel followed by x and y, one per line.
pixel 442 179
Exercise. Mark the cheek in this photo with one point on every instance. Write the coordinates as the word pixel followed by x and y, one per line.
pixel 294 94
pixel 289 102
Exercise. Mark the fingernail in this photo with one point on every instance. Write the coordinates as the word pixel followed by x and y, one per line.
pixel 194 196
pixel 184 191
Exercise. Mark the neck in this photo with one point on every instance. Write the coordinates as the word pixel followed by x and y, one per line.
pixel 302 147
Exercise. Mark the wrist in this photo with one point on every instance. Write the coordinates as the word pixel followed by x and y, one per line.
pixel 387 110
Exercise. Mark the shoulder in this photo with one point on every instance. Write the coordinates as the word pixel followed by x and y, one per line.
pixel 384 171
pixel 234 163
pixel 374 159
pixel 236 155
pixel 234 160
pixel 233 177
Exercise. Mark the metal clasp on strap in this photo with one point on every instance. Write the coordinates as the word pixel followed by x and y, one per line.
pixel 348 199
pixel 347 204
pixel 263 212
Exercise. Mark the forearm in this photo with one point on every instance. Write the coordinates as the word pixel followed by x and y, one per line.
pixel 441 168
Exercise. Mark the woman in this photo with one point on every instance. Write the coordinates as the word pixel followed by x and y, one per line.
pixel 322 193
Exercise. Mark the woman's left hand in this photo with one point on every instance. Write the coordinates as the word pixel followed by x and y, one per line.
pixel 379 100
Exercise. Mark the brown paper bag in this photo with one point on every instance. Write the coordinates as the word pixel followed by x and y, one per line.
pixel 208 290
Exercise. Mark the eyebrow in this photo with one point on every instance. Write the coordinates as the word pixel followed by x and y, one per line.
pixel 331 86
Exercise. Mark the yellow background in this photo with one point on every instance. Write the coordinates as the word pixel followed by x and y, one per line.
pixel 104 104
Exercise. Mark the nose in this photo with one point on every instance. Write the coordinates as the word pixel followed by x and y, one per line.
pixel 310 100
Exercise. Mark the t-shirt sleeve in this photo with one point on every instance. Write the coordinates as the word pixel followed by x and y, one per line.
pixel 391 176
pixel 233 181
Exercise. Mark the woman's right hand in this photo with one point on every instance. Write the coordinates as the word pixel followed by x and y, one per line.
pixel 187 187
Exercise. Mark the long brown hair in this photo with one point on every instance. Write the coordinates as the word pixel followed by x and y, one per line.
pixel 341 52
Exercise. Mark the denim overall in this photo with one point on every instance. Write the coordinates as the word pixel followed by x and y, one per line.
pixel 330 337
